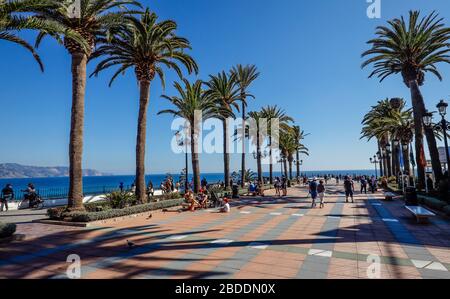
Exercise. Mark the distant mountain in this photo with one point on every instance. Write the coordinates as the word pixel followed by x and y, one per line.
pixel 13 170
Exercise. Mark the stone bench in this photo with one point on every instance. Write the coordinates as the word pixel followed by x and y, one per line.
pixel 421 214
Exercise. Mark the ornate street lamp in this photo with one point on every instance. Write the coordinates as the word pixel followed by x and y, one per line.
pixel 442 126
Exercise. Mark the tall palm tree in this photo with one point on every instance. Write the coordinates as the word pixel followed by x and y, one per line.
pixel 14 17
pixel 287 148
pixel 412 49
pixel 374 128
pixel 225 90
pixel 245 75
pixel 256 118
pixel 299 135
pixel 147 46
pixel 94 18
pixel 192 99
pixel 274 113
pixel 400 124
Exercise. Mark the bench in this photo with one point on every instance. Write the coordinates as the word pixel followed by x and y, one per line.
pixel 389 196
pixel 420 213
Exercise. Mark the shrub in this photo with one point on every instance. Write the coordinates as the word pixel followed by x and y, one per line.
pixel 94 216
pixel 7 229
pixel 166 196
pixel 446 210
pixel 434 203
pixel 119 200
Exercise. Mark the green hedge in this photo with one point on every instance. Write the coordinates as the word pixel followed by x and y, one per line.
pixel 61 214
pixel 7 229
pixel 434 203
pixel 446 210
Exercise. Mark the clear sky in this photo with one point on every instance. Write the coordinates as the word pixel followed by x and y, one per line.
pixel 308 53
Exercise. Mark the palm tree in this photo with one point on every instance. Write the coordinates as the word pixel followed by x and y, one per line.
pixel 94 18
pixel 13 17
pixel 287 148
pixel 147 46
pixel 192 99
pixel 225 90
pixel 374 128
pixel 245 75
pixel 400 124
pixel 412 49
pixel 274 113
pixel 299 135
pixel 256 118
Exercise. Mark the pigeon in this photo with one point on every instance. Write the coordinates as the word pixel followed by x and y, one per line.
pixel 149 216
pixel 130 244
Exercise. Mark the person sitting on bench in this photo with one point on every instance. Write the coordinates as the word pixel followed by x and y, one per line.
pixel 193 203
pixel 203 198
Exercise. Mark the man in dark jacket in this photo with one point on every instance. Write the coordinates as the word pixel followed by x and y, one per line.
pixel 7 194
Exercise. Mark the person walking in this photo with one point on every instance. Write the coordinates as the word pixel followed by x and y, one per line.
pixel 7 194
pixel 277 186
pixel 349 188
pixel 284 186
pixel 313 191
pixel 363 182
pixel 121 186
pixel 373 184
pixel 321 191
pixel 150 190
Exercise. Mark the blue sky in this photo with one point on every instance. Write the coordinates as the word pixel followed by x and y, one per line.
pixel 308 53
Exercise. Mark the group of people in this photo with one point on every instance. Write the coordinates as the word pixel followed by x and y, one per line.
pixel 30 194
pixel 256 188
pixel 201 201
pixel 317 190
pixel 280 186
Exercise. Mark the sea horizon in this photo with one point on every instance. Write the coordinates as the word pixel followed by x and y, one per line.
pixel 56 187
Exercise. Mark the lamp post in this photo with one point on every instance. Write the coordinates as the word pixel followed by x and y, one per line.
pixel 388 158
pixel 442 126
pixel 183 142
pixel 375 162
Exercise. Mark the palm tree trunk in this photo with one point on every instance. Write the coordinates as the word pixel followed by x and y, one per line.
pixel 381 162
pixel 419 110
pixel 243 143
pixel 141 140
pixel 297 156
pixel 258 155
pixel 195 160
pixel 406 161
pixel 285 168
pixel 389 164
pixel 271 161
pixel 226 155
pixel 290 169
pixel 79 62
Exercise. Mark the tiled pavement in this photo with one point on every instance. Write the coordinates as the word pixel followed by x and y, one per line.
pixel 260 238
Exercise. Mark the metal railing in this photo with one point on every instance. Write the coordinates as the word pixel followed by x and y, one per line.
pixel 62 192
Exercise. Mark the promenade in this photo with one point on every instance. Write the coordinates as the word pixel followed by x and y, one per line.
pixel 261 238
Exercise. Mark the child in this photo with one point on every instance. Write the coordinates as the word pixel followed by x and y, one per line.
pixel 226 207
pixel 321 191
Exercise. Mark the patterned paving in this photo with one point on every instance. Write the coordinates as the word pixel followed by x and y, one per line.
pixel 261 238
